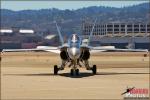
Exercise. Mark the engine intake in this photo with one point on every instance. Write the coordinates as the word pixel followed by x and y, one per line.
pixel 63 55
pixel 85 55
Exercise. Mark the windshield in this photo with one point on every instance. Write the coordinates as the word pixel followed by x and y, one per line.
pixel 74 41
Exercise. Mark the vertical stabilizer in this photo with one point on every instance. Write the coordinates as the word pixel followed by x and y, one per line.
pixel 91 33
pixel 59 33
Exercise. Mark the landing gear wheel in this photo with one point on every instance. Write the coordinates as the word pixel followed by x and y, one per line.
pixel 77 72
pixel 94 69
pixel 55 69
pixel 71 72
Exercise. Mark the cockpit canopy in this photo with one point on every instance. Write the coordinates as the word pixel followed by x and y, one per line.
pixel 74 41
pixel 75 38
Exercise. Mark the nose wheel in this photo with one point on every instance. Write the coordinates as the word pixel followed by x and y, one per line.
pixel 74 72
pixel 77 72
pixel 71 72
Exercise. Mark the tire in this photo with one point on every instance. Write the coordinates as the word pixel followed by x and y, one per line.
pixel 55 69
pixel 94 69
pixel 77 72
pixel 71 72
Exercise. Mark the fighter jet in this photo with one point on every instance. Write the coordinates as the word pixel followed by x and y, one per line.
pixel 75 53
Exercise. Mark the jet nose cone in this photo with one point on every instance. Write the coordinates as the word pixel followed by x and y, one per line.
pixel 74 53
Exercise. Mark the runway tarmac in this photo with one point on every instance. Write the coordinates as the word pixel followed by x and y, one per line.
pixel 30 76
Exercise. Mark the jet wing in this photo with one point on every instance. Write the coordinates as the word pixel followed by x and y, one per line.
pixel 39 48
pixel 97 49
pixel 111 48
pixel 100 50
pixel 116 49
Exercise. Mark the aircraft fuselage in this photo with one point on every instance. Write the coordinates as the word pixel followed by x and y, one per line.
pixel 74 51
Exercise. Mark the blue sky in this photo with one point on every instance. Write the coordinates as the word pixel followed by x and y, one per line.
pixel 35 5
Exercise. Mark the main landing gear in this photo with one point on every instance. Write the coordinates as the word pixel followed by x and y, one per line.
pixel 94 69
pixel 75 71
pixel 56 69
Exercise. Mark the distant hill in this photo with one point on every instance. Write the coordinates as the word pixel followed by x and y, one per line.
pixel 70 20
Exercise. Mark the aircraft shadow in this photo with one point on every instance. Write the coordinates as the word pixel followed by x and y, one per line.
pixel 81 75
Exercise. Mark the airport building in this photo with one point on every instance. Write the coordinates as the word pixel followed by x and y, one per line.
pixel 119 34
pixel 116 29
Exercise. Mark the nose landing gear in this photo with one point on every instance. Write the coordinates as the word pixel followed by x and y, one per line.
pixel 77 72
pixel 74 72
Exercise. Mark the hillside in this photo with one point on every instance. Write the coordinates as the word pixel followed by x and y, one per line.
pixel 70 20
